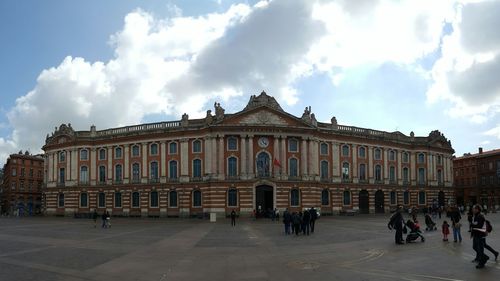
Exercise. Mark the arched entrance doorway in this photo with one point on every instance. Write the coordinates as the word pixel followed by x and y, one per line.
pixel 364 202
pixel 379 201
pixel 441 198
pixel 264 200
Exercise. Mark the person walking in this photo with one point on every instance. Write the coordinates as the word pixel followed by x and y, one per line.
pixel 277 214
pixel 397 223
pixel 233 218
pixel 296 222
pixel 455 224
pixel 446 230
pixel 314 217
pixel 478 232
pixel 108 220
pixel 104 219
pixel 94 217
pixel 306 220
pixel 287 220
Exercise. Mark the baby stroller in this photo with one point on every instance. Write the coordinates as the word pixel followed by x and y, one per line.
pixel 429 223
pixel 415 232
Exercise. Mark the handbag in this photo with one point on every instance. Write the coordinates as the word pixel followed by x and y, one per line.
pixel 457 225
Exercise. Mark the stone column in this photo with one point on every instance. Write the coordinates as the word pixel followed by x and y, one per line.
pixel 109 155
pixel 303 159
pixel 283 158
pixel 126 164
pixel 50 167
pixel 386 166
pixel 243 145
pixel 184 159
pixel 413 168
pixel 208 155
pixel 251 158
pixel 354 150
pixel 145 174
pixel 74 165
pixel 214 156
pixel 93 166
pixel 336 162
pixel 163 161
pixel 400 167
pixel 56 168
pixel 370 165
pixel 220 162
pixel 68 167
pixel 276 152
pixel 315 158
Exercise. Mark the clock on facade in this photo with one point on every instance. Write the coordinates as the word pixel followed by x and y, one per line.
pixel 263 142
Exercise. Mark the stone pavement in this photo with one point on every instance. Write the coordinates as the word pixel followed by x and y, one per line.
pixel 343 248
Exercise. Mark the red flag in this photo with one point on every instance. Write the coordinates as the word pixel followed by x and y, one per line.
pixel 277 163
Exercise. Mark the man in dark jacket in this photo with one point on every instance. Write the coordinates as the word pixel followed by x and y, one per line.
pixel 455 223
pixel 397 223
pixel 314 217
pixel 233 218
pixel 296 220
pixel 287 220
pixel 478 232
pixel 306 220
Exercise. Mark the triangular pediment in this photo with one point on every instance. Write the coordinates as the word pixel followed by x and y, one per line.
pixel 264 116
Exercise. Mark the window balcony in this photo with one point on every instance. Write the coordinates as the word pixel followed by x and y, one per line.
pixel 61 184
pixel 440 183
pixel 406 182
pixel 393 182
pixel 155 180
pixel 345 180
pixel 232 177
pixel 136 180
pixel 421 183
pixel 294 178
pixel 379 181
pixel 196 179
pixel 325 179
pixel 363 181
pixel 173 179
pixel 84 183
pixel 118 182
pixel 101 182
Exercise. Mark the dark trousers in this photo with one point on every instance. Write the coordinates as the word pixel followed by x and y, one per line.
pixel 478 246
pixel 399 235
pixel 297 228
pixel 233 222
pixel 287 228
pixel 305 228
pixel 488 247
pixel 312 225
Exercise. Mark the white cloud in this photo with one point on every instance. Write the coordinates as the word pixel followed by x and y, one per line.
pixel 494 132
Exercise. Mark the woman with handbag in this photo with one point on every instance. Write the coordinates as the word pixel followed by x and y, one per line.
pixel 455 224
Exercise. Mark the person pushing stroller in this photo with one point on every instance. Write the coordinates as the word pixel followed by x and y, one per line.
pixel 415 232
pixel 429 223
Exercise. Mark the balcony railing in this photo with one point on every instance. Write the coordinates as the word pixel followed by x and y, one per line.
pixel 84 183
pixel 61 184
pixel 344 180
pixel 294 178
pixel 196 179
pixel 363 181
pixel 154 180
pixel 173 179
pixel 393 182
pixel 232 177
pixel 101 183
pixel 118 182
pixel 324 179
pixel 379 181
pixel 136 180
pixel 406 182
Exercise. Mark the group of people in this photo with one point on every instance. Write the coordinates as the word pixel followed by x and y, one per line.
pixel 479 228
pixel 297 222
pixel 106 217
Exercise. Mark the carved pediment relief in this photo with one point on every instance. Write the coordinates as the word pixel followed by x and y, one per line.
pixel 263 117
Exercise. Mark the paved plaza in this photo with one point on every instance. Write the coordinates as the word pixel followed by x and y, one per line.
pixel 356 247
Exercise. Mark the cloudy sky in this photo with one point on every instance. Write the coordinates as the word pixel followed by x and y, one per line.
pixel 387 65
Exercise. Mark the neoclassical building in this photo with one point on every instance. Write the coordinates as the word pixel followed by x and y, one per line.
pixel 259 158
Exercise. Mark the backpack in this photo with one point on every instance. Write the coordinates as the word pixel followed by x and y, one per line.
pixel 489 228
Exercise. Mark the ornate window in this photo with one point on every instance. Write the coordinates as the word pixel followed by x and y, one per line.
pixel 294 167
pixel 153 199
pixel 232 167
pixel 325 197
pixel 136 173
pixel 392 155
pixel 84 200
pixel 345 150
pixel 172 199
pixel 84 154
pixel 421 198
pixel 172 169
pixel 196 198
pixel 362 171
pixel 197 146
pixel 421 176
pixel 440 176
pixel 232 197
pixel 135 200
pixel 102 154
pixel 393 197
pixel 118 200
pixel 294 198
pixel 62 175
pixel 196 168
pixel 118 173
pixel 62 156
pixel 378 172
pixel 172 148
pixel 377 154
pixel 324 170
pixel 406 197
pixel 118 153
pixel 421 158
pixel 323 148
pixel 101 200
pixel 406 175
pixel 102 174
pixel 60 200
pixel 392 173
pixel 135 151
pixel 293 145
pixel 153 150
pixel 263 165
pixel 345 171
pixel 347 198
pixel 232 144
pixel 406 157
pixel 439 160
pixel 362 152
pixel 153 170
pixel 84 174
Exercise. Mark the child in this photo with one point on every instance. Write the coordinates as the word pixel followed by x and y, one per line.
pixel 446 230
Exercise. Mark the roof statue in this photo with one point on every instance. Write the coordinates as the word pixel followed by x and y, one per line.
pixel 262 99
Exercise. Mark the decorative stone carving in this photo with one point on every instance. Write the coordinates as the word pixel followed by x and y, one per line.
pixel 63 130
pixel 263 118
pixel 185 120
pixel 219 112
pixel 263 100
pixel 209 118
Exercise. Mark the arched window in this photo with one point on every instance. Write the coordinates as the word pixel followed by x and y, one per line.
pixel 196 198
pixel 118 200
pixel 60 200
pixel 345 150
pixel 232 143
pixel 421 176
pixel 324 149
pixel 406 175
pixel 172 199
pixel 294 167
pixel 440 175
pixel 362 172
pixel 293 145
pixel 102 174
pixel 232 167
pixel 345 171
pixel 118 152
pixel 62 175
pixel 324 170
pixel 153 166
pixel 377 154
pixel 439 160
pixel 118 173
pixel 421 198
pixel 172 169
pixel 84 154
pixel 362 152
pixel 84 174
pixel 406 197
pixel 406 157
pixel 136 173
pixel 135 150
pixel 347 198
pixel 62 156
pixel 196 168
pixel 153 199
pixel 325 197
pixel 172 148
pixel 294 198
pixel 102 154
pixel 421 158
pixel 392 173
pixel 392 155
pixel 263 165
pixel 101 200
pixel 84 200
pixel 153 150
pixel 135 200
pixel 393 197
pixel 378 172
pixel 232 197
pixel 197 146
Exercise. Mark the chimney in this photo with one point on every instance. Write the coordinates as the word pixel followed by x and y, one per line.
pixel 480 150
